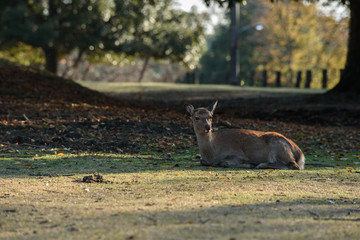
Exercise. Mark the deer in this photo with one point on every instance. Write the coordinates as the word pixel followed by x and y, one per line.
pixel 241 148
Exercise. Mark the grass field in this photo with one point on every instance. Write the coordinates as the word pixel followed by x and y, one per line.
pixel 129 87
pixel 154 187
pixel 174 91
pixel 157 196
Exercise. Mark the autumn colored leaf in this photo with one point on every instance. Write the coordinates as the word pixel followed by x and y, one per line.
pixel 239 205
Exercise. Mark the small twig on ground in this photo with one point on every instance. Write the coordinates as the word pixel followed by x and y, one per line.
pixel 26 118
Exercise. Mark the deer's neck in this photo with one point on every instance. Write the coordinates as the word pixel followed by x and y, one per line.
pixel 206 145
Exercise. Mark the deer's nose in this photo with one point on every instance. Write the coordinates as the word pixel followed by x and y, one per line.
pixel 207 127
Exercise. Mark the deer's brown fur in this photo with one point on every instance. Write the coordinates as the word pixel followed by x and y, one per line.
pixel 242 148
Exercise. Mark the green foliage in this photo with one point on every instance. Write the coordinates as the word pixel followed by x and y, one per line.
pixel 57 27
pixel 22 54
pixel 136 28
pixel 292 40
pixel 163 33
pixel 41 24
pixel 295 41
pixel 215 63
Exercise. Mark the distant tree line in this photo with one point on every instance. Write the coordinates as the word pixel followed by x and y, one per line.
pixel 350 81
pixel 103 30
pixel 310 78
pixel 295 37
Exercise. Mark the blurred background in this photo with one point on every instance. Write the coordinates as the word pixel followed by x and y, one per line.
pixel 177 41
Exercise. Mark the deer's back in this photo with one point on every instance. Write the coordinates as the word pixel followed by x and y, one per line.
pixel 247 140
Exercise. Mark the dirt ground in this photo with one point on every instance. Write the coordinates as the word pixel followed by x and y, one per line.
pixel 41 110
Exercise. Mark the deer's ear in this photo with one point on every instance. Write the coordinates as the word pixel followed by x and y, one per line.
pixel 212 107
pixel 189 109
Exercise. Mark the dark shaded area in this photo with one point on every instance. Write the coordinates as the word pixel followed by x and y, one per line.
pixel 94 178
pixel 39 110
pixel 114 135
pixel 30 84
pixel 310 109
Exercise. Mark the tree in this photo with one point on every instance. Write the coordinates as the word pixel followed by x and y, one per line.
pixel 164 33
pixel 55 26
pixel 350 81
pixel 22 54
pixel 138 28
pixel 215 65
pixel 293 40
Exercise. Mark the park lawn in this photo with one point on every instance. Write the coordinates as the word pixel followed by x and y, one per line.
pixel 170 196
pixel 175 91
pixel 156 87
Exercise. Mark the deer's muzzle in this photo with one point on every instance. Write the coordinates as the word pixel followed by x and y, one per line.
pixel 207 128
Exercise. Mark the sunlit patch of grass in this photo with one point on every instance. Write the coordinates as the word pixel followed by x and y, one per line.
pixel 333 159
pixel 148 87
pixel 158 195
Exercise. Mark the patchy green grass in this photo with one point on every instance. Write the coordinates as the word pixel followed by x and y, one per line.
pixel 154 87
pixel 170 196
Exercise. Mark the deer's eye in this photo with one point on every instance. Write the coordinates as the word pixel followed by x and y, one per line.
pixel 197 118
pixel 210 118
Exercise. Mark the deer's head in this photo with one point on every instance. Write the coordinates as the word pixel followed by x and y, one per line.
pixel 201 117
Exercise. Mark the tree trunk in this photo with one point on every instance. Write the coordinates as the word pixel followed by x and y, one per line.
pixel 234 68
pixel 51 56
pixel 78 59
pixel 146 61
pixel 350 81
